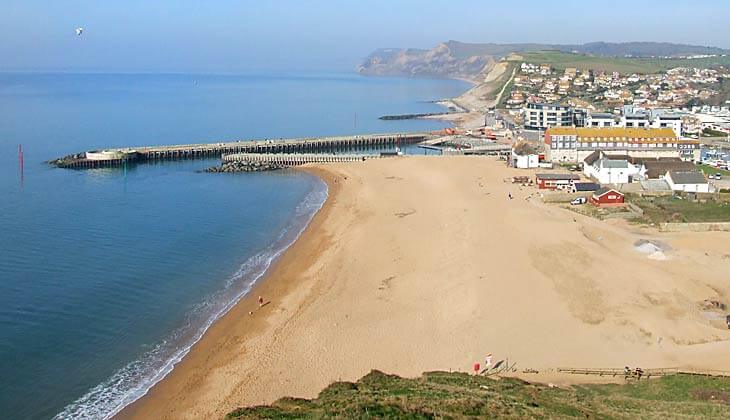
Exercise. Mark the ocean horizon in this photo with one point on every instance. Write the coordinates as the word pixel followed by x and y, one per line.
pixel 108 276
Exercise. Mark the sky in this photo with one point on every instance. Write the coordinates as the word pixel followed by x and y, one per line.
pixel 230 36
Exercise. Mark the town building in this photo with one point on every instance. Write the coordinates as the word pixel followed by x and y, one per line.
pixel 653 168
pixel 540 116
pixel 632 117
pixel 570 144
pixel 666 119
pixel 524 160
pixel 600 119
pixel 638 119
pixel 687 181
pixel 608 169
pixel 556 181
pixel 607 197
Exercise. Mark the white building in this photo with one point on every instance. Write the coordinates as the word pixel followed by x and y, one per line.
pixel 664 119
pixel 525 161
pixel 635 120
pixel 610 170
pixel 600 119
pixel 687 181
pixel 542 116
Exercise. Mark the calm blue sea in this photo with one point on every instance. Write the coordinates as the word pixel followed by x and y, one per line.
pixel 108 276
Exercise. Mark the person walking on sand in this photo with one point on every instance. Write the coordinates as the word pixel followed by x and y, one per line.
pixel 261 301
pixel 509 195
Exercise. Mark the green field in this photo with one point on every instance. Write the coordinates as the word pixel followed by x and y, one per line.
pixel 561 60
pixel 461 396
pixel 707 132
pixel 669 209
pixel 711 170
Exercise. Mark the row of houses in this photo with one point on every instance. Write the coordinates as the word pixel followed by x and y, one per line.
pixel 676 176
pixel 600 196
pixel 542 116
pixel 623 169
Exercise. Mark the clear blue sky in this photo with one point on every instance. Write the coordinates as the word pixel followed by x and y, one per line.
pixel 235 36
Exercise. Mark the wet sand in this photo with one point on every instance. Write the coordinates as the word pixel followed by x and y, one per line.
pixel 423 263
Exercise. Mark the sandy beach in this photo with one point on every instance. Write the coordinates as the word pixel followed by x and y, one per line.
pixel 423 263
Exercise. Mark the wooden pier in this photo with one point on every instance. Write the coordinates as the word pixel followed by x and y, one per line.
pixel 192 151
pixel 294 159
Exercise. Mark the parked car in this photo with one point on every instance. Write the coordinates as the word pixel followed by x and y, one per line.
pixel 710 176
pixel 577 201
pixel 718 175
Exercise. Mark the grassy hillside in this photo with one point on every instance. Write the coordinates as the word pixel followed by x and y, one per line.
pixel 561 60
pixel 668 209
pixel 458 395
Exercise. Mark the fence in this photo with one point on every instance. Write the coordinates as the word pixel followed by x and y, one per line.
pixel 695 227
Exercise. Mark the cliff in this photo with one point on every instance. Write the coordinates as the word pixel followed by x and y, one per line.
pixel 459 60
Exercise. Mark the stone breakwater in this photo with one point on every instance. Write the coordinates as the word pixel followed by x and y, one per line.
pixel 244 166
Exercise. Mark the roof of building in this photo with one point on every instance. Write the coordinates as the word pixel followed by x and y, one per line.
pixel 687 177
pixel 655 185
pixel 542 105
pixel 604 191
pixel 558 176
pixel 596 132
pixel 640 160
pixel 602 156
pixel 586 186
pixel 592 157
pixel 612 163
pixel 657 168
pixel 603 115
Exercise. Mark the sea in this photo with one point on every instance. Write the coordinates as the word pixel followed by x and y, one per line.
pixel 109 276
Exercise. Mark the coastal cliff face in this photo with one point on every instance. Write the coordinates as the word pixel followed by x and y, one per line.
pixel 459 60
pixel 446 60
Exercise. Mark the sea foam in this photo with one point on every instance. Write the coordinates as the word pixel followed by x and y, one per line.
pixel 136 378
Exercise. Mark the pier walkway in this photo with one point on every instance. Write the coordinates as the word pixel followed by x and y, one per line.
pixel 120 156
pixel 294 159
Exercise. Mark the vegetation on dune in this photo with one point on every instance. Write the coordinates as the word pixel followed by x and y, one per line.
pixel 561 60
pixel 459 395
pixel 670 209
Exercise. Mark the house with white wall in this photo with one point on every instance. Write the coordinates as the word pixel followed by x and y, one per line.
pixel 687 181
pixel 607 169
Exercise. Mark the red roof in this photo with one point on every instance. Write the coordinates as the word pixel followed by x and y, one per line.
pixel 603 191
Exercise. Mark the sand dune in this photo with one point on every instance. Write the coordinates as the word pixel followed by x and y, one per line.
pixel 421 263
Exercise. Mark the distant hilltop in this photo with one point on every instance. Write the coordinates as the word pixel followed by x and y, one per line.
pixel 454 59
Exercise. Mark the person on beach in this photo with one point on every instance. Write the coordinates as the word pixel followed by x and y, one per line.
pixel 261 301
pixel 509 195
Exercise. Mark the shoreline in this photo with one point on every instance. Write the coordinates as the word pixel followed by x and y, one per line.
pixel 341 306
pixel 270 284
pixel 248 300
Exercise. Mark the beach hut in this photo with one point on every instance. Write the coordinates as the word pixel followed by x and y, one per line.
pixel 607 197
pixel 555 181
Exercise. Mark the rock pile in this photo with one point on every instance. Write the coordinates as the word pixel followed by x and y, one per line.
pixel 244 166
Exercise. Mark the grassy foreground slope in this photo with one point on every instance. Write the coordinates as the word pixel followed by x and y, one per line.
pixel 459 395
pixel 561 60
